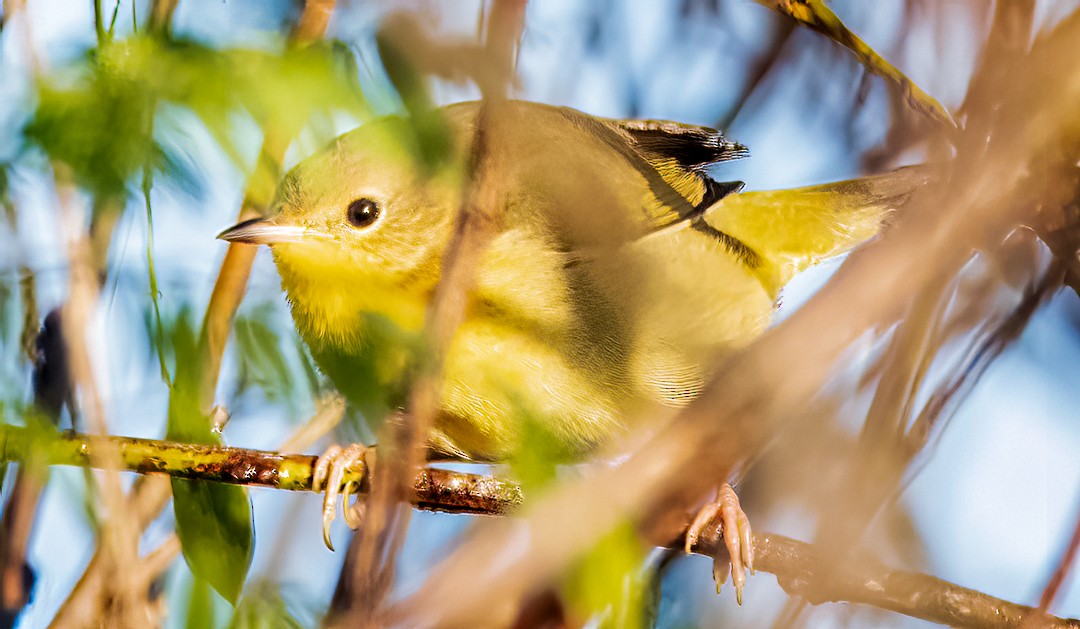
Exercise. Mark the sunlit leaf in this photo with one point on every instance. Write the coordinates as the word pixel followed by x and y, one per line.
pixel 97 116
pixel 533 464
pixel 158 330
pixel 429 130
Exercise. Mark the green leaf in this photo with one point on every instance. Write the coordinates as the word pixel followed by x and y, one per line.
pixel 213 521
pixel 609 583
pixel 97 115
pixel 264 608
pixel 538 453
pixel 186 421
pixel 430 132
pixel 200 609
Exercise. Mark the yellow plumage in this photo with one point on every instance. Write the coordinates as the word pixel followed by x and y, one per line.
pixel 619 275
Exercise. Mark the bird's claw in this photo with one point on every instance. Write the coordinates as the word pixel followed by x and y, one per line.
pixel 329 477
pixel 735 527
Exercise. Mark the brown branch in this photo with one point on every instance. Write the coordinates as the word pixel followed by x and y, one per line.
pixel 432 489
pixel 801 569
pixel 236 267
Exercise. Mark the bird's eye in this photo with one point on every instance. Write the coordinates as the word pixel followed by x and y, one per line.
pixel 362 212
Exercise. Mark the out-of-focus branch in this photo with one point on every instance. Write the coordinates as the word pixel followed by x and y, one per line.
pixel 366 581
pixel 1010 35
pixel 236 267
pixel 17 520
pixel 756 392
pixel 1061 573
pixel 803 571
pixel 149 497
pixel 146 510
pixel 815 15
pixel 800 568
pixel 759 72
pixel 118 540
pixel 16 575
pixel 116 544
pixel 313 21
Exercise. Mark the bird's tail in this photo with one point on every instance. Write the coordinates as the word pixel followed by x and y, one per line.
pixel 795 228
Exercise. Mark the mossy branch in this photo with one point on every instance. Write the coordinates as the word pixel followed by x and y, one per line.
pixel 799 568
pixel 433 489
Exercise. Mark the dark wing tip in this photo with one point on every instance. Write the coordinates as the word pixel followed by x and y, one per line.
pixel 693 147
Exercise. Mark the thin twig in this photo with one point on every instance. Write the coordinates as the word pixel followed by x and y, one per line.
pixel 815 15
pixel 118 539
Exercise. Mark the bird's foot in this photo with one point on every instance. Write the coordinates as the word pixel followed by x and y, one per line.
pixel 726 513
pixel 329 477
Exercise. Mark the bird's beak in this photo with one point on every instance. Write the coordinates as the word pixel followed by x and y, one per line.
pixel 262 231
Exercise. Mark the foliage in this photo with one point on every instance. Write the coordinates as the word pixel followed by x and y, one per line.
pixel 97 115
pixel 212 520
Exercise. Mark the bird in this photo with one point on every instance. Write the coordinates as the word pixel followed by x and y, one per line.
pixel 618 276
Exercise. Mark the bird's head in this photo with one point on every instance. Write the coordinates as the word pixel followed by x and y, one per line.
pixel 358 228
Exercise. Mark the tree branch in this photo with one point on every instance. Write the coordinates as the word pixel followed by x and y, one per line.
pixel 800 568
pixel 433 489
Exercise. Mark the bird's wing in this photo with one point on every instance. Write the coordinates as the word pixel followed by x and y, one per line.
pixel 672 158
pixel 682 154
pixel 651 175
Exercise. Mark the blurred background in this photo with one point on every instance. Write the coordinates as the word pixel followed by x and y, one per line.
pixel 997 493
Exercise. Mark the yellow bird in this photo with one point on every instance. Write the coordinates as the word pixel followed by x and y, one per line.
pixel 619 275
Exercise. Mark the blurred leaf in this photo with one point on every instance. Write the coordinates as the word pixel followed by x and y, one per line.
pixel 186 421
pixel 534 461
pixel 200 609
pixel 5 191
pixel 315 383
pixel 213 520
pixel 100 127
pixel 609 583
pixel 97 116
pixel 263 608
pixel 429 129
pixel 11 381
pixel 261 359
pixel 158 332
